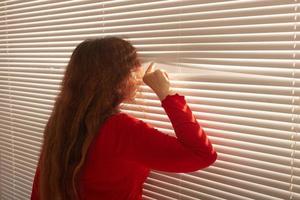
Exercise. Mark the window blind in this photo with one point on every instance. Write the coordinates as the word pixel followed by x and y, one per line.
pixel 236 62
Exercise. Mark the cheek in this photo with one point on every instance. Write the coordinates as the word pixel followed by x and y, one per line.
pixel 130 88
pixel 133 86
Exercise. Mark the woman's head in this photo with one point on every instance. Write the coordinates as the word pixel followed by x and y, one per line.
pixel 103 65
pixel 98 77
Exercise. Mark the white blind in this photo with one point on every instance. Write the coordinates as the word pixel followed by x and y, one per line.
pixel 236 62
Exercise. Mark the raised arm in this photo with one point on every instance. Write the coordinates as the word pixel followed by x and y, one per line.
pixel 190 151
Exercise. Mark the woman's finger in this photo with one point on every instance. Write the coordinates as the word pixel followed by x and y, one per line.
pixel 166 74
pixel 150 68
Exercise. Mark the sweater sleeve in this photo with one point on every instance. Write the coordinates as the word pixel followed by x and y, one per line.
pixel 190 151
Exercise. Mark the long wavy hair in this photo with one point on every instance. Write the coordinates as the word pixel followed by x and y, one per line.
pixel 97 79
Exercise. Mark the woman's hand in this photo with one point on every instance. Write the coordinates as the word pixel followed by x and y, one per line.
pixel 158 81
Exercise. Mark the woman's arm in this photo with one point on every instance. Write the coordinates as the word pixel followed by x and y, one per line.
pixel 190 151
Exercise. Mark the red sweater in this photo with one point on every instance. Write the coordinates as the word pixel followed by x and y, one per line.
pixel 126 149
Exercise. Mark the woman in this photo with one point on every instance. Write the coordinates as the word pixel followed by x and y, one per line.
pixel 91 150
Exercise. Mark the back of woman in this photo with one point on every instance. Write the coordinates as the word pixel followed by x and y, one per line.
pixel 92 150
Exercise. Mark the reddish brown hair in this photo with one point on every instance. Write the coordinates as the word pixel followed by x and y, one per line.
pixel 94 84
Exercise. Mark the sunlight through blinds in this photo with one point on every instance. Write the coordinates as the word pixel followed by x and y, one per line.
pixel 235 61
